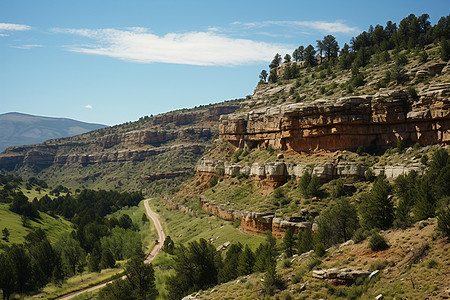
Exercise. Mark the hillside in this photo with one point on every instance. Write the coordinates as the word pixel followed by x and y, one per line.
pixel 17 129
pixel 130 156
pixel 340 161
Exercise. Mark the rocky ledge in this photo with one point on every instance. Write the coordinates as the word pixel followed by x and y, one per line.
pixel 274 174
pixel 345 123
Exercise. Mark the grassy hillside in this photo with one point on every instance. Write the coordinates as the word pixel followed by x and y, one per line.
pixel 53 226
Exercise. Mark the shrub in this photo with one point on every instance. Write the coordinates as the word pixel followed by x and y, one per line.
pixel 411 91
pixel 377 242
pixel 212 182
pixel 444 221
pixel 379 265
pixel 431 264
pixel 359 235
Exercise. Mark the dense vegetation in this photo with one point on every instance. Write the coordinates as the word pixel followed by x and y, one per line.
pixel 97 242
pixel 412 33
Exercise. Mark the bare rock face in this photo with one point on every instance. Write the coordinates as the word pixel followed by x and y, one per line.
pixel 345 123
pixel 271 175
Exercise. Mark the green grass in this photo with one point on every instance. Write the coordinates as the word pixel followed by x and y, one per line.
pixel 184 228
pixel 53 226
pixel 146 230
pixel 76 283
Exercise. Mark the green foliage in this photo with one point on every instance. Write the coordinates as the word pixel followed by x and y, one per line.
pixel 444 221
pixel 411 91
pixel 212 182
pixel 309 56
pixel 236 156
pixel 425 200
pixel 139 283
pixel 342 219
pixel 359 235
pixel 423 57
pixel 291 71
pixel 400 145
pixel 263 75
pixel 379 265
pixel 195 269
pixel 445 50
pixel 304 241
pixel 276 62
pixel 122 243
pixel 377 242
pixel 309 185
pixel 72 255
pixel 376 209
pixel 169 246
pixel 246 261
pixel 289 242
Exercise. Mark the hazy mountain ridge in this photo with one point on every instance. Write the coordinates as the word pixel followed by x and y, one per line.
pixel 17 129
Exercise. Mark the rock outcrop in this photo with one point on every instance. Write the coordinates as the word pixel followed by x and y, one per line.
pixel 345 123
pixel 346 276
pixel 251 222
pixel 274 174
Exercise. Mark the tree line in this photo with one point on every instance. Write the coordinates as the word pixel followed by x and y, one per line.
pixel 96 243
pixel 411 33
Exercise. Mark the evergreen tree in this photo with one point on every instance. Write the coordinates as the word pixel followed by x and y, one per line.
pixel 230 263
pixel 298 53
pixel 287 58
pixel 304 241
pixel 7 280
pixel 276 62
pixel 289 242
pixel 330 46
pixel 309 56
pixel 263 75
pixel 376 209
pixel 141 277
pixel 246 261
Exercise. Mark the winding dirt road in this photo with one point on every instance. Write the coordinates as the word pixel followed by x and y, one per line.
pixel 156 249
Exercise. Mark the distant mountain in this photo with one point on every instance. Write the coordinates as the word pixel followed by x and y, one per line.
pixel 17 129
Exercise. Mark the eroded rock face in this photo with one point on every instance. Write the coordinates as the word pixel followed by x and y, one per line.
pixel 345 123
pixel 274 174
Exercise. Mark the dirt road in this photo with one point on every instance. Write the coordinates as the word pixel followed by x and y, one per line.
pixel 156 249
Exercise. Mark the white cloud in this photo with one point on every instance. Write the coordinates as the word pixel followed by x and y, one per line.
pixel 26 47
pixel 12 27
pixel 88 106
pixel 193 48
pixel 322 26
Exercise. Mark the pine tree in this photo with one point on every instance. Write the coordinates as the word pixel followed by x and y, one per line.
pixel 376 209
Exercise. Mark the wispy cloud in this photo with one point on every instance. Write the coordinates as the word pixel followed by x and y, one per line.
pixel 88 106
pixel 27 47
pixel 322 26
pixel 193 48
pixel 5 27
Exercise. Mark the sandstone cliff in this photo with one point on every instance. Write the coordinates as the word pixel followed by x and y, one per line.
pixel 345 123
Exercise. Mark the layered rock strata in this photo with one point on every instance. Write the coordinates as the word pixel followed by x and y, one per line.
pixel 251 222
pixel 345 123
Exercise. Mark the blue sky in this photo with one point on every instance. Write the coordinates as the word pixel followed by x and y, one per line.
pixel 109 61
